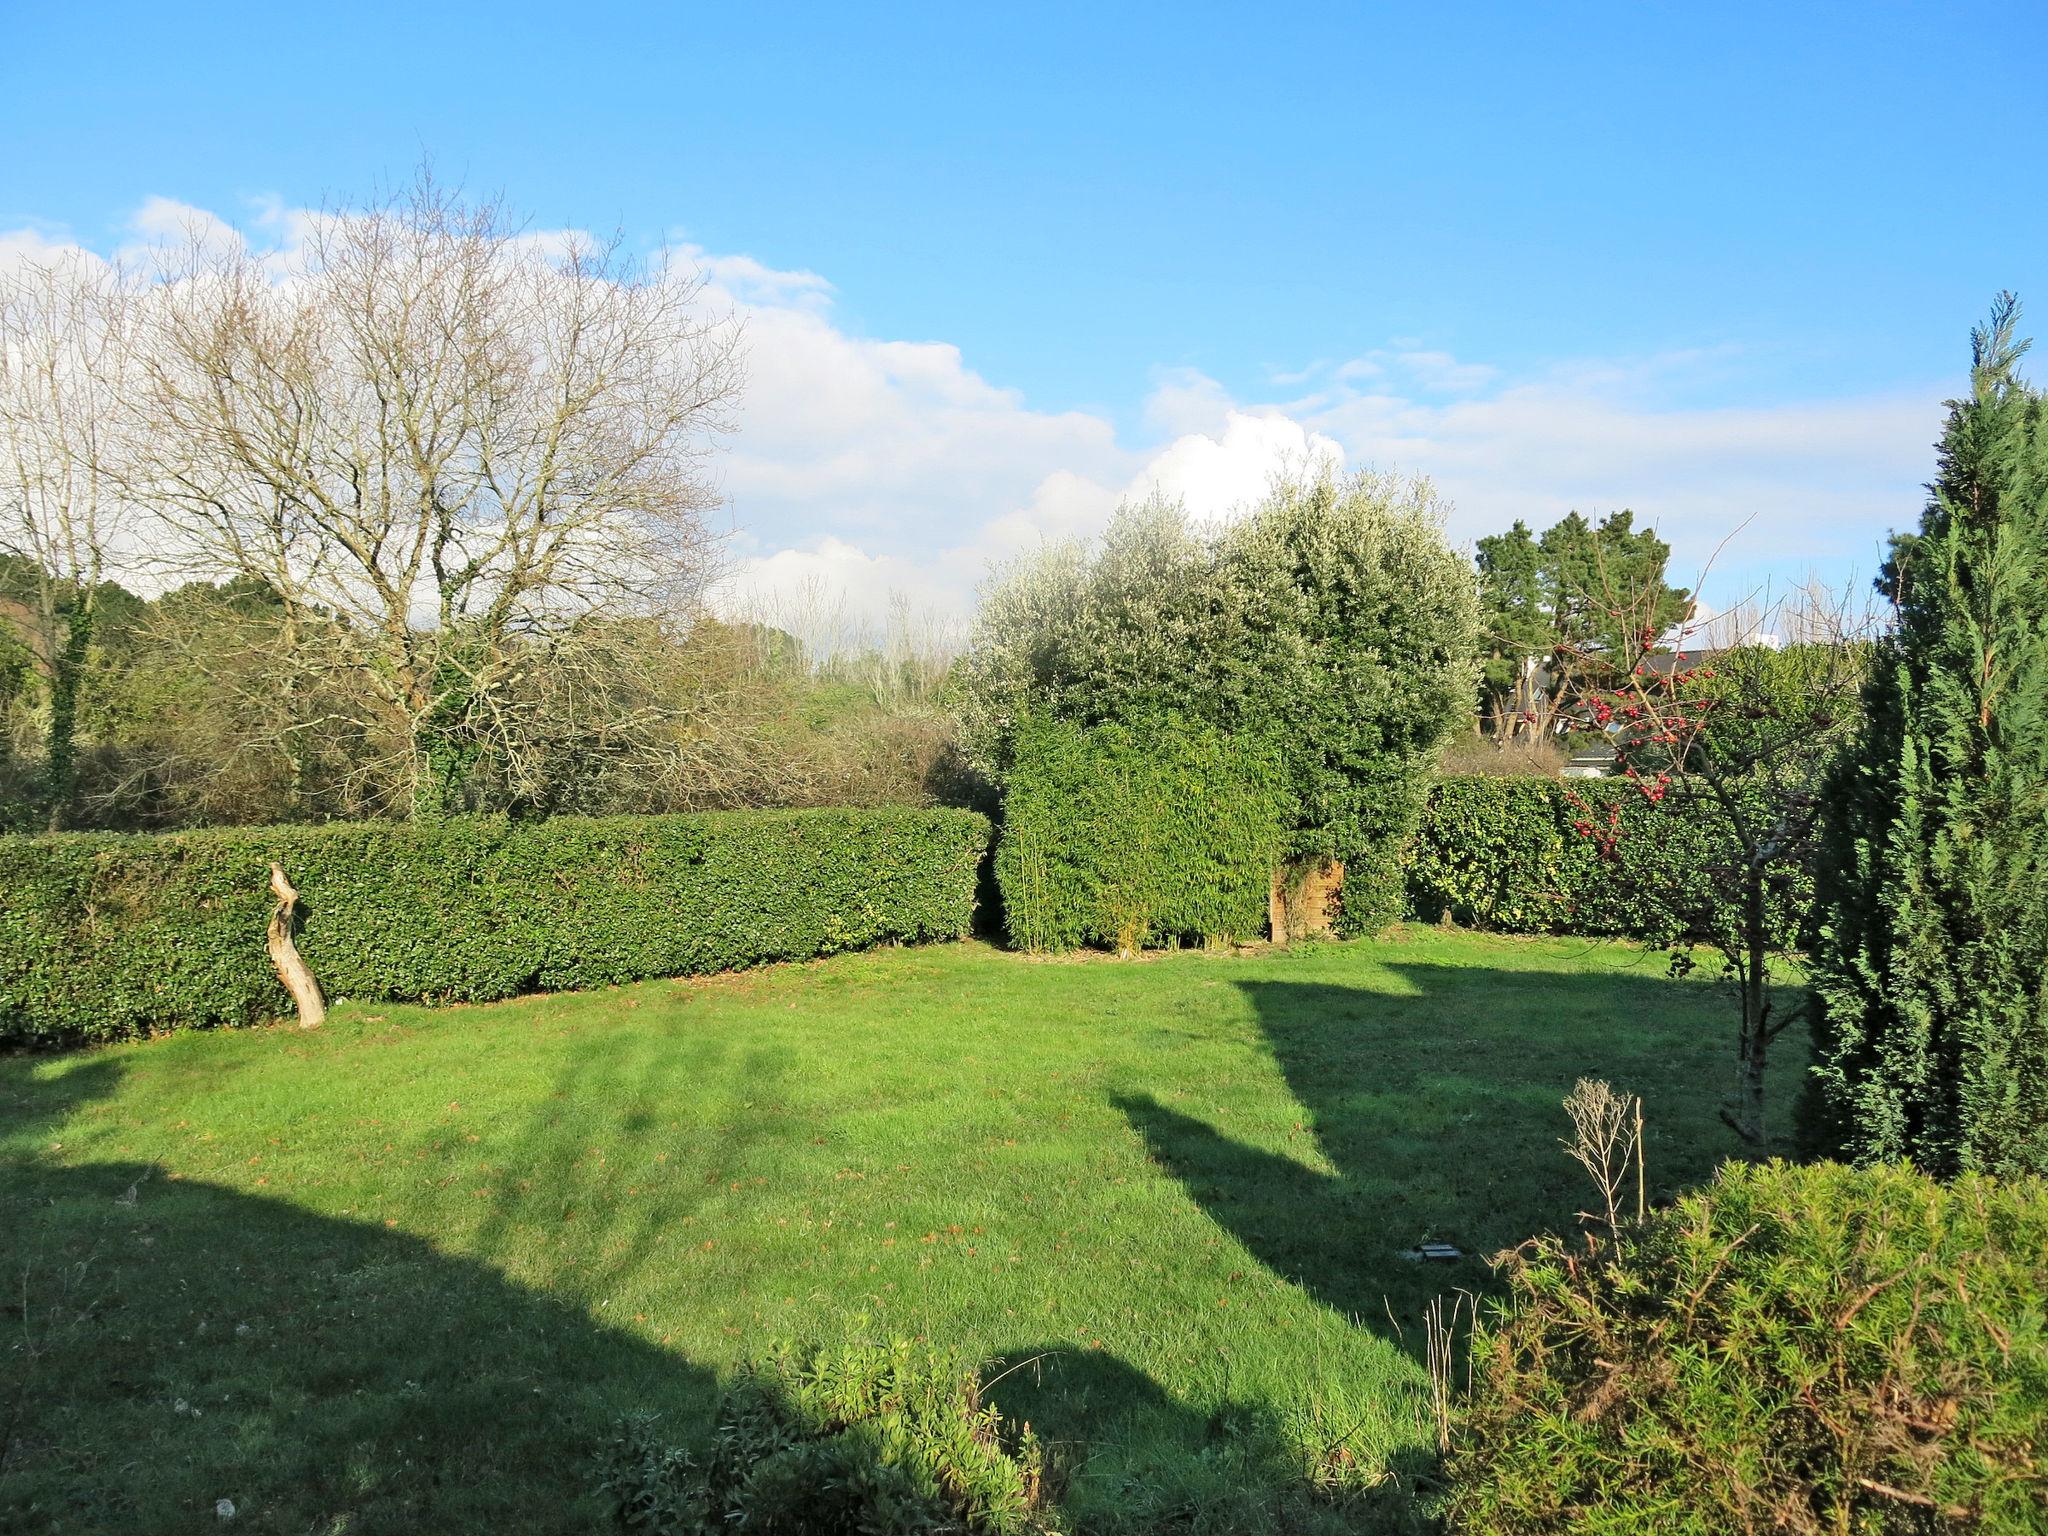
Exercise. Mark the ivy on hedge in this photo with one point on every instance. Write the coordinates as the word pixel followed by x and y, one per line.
pixel 1507 854
pixel 1125 837
pixel 104 937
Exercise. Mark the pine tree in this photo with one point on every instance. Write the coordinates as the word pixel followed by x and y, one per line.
pixel 1931 960
pixel 1550 597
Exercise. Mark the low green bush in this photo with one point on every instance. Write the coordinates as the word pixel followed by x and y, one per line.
pixel 1122 837
pixel 1511 855
pixel 857 1440
pixel 1790 1349
pixel 103 937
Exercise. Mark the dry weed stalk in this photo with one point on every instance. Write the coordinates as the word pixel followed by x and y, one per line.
pixel 1440 1330
pixel 1606 1140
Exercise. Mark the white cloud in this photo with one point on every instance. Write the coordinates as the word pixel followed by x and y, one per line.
pixel 1807 482
pixel 875 465
pixel 35 247
pixel 1441 373
pixel 754 282
pixel 1185 400
pixel 896 442
pixel 163 224
pixel 1218 475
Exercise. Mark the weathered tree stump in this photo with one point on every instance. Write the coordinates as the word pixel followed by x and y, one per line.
pixel 1303 900
pixel 284 954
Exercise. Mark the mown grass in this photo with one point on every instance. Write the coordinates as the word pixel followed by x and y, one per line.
pixel 402 1273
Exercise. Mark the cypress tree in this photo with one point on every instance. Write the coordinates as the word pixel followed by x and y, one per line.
pixel 1930 982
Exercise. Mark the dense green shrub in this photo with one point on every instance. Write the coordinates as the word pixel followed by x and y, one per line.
pixel 857 1440
pixel 1124 837
pixel 1333 620
pixel 1930 1027
pixel 1791 1349
pixel 1509 854
pixel 1500 853
pixel 108 936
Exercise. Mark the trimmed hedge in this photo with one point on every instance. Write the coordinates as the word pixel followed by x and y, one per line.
pixel 1790 1349
pixel 104 937
pixel 1124 838
pixel 1504 854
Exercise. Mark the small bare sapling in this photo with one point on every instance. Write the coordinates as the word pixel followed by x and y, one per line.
pixel 1607 1141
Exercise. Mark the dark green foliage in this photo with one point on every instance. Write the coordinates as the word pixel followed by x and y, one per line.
pixel 1333 621
pixel 1791 1349
pixel 1515 856
pixel 1931 1021
pixel 860 1440
pixel 1500 854
pixel 104 936
pixel 1554 598
pixel 1125 837
pixel 55 636
pixel 1514 620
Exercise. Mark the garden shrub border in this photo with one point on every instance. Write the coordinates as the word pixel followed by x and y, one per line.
pixel 1507 855
pixel 105 937
pixel 1123 837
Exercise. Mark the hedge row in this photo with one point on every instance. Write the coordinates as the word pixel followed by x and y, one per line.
pixel 1505 854
pixel 103 937
pixel 1124 838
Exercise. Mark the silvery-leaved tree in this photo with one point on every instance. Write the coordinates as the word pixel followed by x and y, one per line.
pixel 457 455
pixel 1331 622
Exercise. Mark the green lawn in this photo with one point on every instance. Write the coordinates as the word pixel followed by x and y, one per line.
pixel 402 1272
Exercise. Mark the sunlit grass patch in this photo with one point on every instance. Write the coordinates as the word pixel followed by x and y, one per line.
pixel 406 1270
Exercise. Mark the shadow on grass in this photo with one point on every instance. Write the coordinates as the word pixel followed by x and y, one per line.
pixel 1239 1470
pixel 1438 1113
pixel 336 1375
pixel 170 1344
pixel 569 1196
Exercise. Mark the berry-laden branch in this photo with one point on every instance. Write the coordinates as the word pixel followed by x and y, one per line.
pixel 1726 723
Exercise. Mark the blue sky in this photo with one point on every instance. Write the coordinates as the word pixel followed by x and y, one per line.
pixel 1706 261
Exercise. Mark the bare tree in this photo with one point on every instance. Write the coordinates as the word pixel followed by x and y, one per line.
pixel 1733 739
pixel 63 352
pixel 448 448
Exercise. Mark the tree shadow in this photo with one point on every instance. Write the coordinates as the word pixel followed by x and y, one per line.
pixel 170 1344
pixel 1235 1469
pixel 566 1183
pixel 1434 1106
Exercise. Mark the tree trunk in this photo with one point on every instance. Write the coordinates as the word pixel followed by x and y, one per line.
pixel 284 954
pixel 1746 1110
pixel 60 759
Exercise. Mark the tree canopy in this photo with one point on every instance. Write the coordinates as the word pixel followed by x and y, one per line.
pixel 1548 598
pixel 1333 621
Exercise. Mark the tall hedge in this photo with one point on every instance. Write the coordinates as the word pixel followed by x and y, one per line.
pixel 1333 620
pixel 1508 854
pixel 1124 838
pixel 103 937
